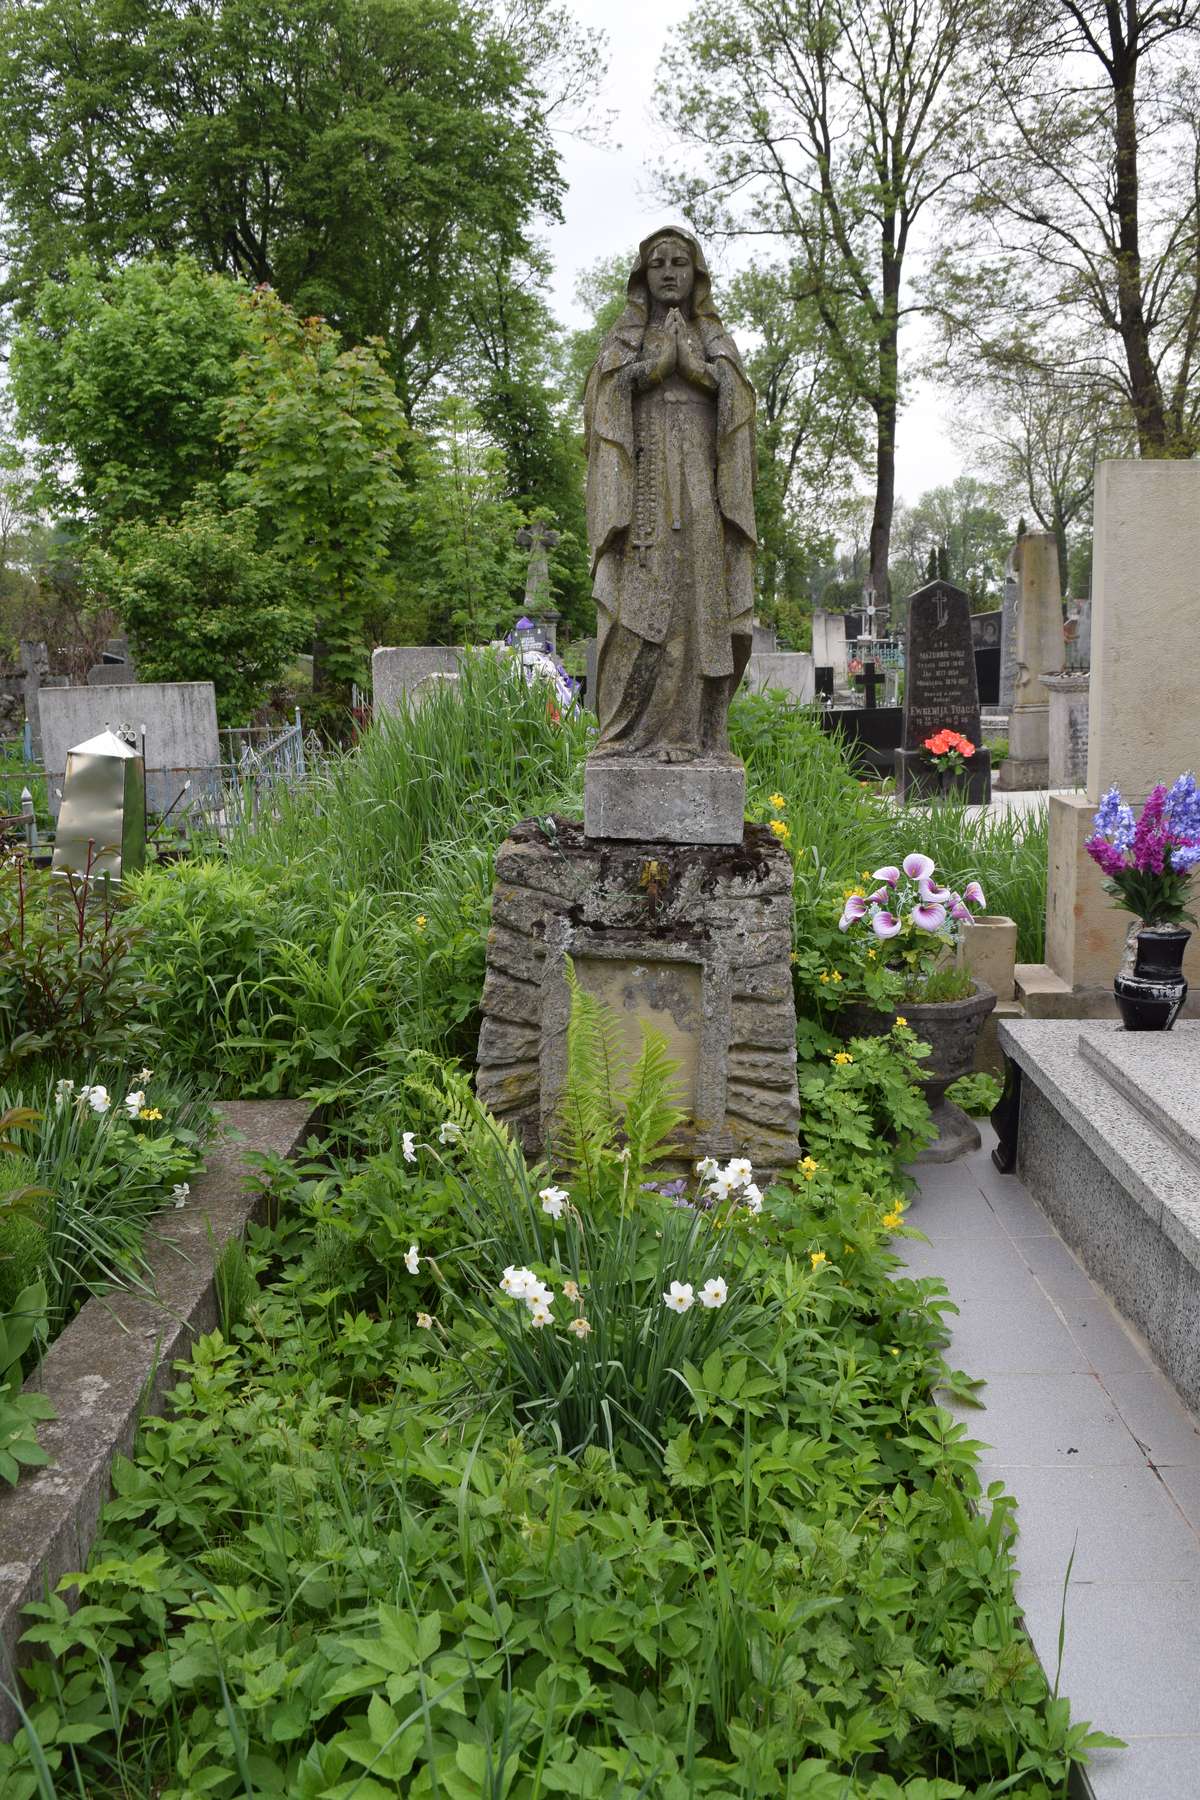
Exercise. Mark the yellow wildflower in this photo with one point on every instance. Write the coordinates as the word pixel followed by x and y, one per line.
pixel 782 832
pixel 842 1057
pixel 870 956
pixel 778 802
pixel 892 1220
pixel 900 1019
pixel 420 921
pixel 837 974
pixel 893 1350
pixel 810 1167
pixel 817 1257
pixel 794 958
pixel 825 977
pixel 149 1112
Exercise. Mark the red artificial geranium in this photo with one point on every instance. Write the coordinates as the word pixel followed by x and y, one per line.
pixel 949 751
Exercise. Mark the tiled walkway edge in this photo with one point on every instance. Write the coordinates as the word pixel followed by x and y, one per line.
pixel 1102 1457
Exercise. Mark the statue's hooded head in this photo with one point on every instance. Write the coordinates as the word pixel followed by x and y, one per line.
pixel 637 289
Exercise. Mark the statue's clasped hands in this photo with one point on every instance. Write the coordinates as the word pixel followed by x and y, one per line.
pixel 677 351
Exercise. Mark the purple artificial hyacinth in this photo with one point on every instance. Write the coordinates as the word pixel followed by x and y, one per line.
pixel 1109 856
pixel 1150 844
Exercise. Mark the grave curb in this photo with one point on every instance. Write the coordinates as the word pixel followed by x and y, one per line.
pixel 114 1363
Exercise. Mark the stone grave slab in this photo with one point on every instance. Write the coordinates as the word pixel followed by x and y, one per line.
pixel 940 692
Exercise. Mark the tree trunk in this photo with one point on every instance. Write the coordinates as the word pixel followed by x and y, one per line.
pixel 885 444
pixel 1059 528
pixel 1145 391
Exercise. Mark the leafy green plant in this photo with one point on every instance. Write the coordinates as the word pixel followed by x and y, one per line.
pixel 22 1325
pixel 71 987
pixel 977 1094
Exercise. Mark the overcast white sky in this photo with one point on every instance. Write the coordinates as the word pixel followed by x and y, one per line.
pixel 608 206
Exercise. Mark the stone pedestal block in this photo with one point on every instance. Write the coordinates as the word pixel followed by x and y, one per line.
pixel 646 801
pixel 694 941
pixel 1027 764
pixel 1068 728
pixel 987 949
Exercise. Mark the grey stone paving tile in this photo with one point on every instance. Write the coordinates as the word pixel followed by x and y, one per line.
pixel 1104 1338
pixel 1184 1484
pixel 1000 1275
pixel 1057 1267
pixel 1047 1421
pixel 1151 1768
pixel 957 1213
pixel 1013 1337
pixel 1131 1662
pixel 1156 1417
pixel 1014 1206
pixel 1122 1522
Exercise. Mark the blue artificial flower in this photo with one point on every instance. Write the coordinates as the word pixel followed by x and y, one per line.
pixel 1184 860
pixel 1182 815
pixel 1114 820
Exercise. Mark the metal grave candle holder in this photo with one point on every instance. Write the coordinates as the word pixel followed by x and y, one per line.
pixel 102 820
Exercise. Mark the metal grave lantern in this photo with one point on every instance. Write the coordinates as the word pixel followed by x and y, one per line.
pixel 103 811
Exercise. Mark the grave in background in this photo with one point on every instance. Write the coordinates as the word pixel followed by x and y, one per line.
pixel 940 693
pixel 1143 727
pixel 1038 650
pixel 178 720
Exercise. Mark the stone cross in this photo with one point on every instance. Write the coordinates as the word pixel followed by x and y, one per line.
pixel 539 540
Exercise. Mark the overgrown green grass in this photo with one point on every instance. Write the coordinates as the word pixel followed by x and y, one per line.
pixel 357 917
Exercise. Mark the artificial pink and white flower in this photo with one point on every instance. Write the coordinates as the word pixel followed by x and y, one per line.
pixel 928 916
pixel 889 873
pixel 886 925
pixel 973 894
pixel 918 867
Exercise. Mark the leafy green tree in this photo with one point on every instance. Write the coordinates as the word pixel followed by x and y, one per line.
pixel 958 531
pixel 810 444
pixel 1081 220
pixel 123 380
pixel 833 127
pixel 457 565
pixel 363 157
pixel 318 433
pixel 201 600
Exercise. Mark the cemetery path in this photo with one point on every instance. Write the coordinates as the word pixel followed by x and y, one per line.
pixel 1103 1458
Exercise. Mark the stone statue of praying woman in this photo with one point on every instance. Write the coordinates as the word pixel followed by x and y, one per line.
pixel 669 433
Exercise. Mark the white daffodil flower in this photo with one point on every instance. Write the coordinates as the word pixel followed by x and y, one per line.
pixel 539 1316
pixel 752 1197
pixel 723 1184
pixel 714 1293
pixel 179 1193
pixel 95 1097
pixel 518 1283
pixel 553 1200
pixel 134 1103
pixel 449 1133
pixel 412 1260
pixel 708 1165
pixel 679 1297
pixel 740 1170
pixel 406 1146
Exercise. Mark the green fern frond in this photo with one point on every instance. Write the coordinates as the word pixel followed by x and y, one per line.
pixel 651 1109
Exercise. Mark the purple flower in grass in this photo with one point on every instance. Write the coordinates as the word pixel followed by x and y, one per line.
pixel 885 925
pixel 929 916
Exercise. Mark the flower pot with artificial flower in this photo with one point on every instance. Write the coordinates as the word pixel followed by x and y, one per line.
pixel 915 924
pixel 949 753
pixel 1148 864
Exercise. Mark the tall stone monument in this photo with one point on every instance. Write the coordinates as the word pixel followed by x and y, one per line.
pixel 941 692
pixel 1008 631
pixel 1039 650
pixel 669 906
pixel 1142 725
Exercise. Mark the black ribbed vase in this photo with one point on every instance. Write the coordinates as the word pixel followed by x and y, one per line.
pixel 1152 996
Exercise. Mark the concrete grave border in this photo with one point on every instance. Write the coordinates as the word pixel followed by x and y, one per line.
pixel 114 1364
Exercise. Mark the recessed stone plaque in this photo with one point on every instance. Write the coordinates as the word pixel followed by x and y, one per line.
pixel 662 995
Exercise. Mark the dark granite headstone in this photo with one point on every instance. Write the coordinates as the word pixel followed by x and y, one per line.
pixel 823 681
pixel 870 684
pixel 940 691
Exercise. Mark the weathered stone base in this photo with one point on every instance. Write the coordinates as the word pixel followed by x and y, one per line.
pixel 917 779
pixel 643 800
pixel 694 940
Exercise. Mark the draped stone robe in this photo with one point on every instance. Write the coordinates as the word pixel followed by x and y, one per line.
pixel 671 524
